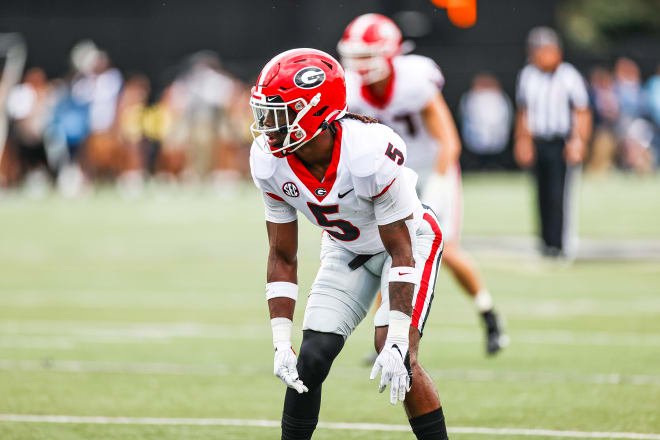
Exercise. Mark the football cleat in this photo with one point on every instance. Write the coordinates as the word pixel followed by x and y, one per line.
pixel 496 337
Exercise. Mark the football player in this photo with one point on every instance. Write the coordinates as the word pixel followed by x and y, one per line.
pixel 403 92
pixel 346 174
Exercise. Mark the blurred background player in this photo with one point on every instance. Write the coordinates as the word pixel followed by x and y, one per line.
pixel 403 92
pixel 27 107
pixel 13 53
pixel 486 116
pixel 552 130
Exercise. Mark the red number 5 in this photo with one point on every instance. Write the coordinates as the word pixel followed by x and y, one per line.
pixel 395 154
pixel 348 231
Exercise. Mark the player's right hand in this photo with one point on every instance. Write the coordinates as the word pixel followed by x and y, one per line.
pixel 285 367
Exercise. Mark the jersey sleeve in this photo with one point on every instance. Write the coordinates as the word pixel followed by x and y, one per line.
pixel 391 155
pixel 396 202
pixel 577 91
pixel 521 96
pixel 394 195
pixel 378 169
pixel 276 209
pixel 426 80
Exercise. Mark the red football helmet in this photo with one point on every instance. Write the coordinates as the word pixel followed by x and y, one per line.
pixel 298 94
pixel 368 45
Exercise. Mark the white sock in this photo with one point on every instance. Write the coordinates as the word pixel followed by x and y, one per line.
pixel 483 301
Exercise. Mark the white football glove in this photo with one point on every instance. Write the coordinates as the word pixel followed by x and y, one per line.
pixel 394 361
pixel 284 365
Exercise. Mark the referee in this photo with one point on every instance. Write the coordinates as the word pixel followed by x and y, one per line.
pixel 553 125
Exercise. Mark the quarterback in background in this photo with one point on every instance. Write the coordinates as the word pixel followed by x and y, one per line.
pixel 403 92
pixel 346 174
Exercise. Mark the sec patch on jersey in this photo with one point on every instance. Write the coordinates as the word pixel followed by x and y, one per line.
pixel 290 189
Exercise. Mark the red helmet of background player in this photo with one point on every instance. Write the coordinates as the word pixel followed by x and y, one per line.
pixel 368 45
pixel 298 94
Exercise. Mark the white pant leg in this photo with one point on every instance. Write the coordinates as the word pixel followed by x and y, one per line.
pixel 428 254
pixel 340 298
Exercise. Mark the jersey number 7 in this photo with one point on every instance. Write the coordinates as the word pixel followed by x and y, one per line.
pixel 349 231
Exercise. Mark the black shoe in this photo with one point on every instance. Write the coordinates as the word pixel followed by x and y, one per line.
pixel 496 337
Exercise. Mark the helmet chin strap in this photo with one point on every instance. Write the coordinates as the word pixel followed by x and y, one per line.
pixel 315 100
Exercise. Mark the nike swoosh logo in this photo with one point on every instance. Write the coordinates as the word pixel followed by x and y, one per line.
pixel 406 273
pixel 397 349
pixel 341 196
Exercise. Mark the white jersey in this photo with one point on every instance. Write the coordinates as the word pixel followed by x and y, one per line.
pixel 366 185
pixel 416 81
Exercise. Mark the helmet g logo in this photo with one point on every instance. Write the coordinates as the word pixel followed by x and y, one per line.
pixel 309 77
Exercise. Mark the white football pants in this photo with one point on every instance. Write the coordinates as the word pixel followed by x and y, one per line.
pixel 340 297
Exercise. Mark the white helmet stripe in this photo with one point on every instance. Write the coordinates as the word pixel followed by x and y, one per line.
pixel 360 26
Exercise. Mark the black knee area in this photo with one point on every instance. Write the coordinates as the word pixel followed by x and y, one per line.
pixel 301 411
pixel 317 352
pixel 430 426
pixel 297 429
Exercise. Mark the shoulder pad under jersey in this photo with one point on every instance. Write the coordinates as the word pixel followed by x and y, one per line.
pixel 421 68
pixel 366 145
pixel 262 164
pixel 420 80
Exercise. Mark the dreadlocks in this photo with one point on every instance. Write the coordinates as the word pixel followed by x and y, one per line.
pixel 361 118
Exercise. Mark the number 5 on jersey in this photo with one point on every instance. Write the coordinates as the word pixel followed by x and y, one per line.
pixel 349 231
pixel 395 154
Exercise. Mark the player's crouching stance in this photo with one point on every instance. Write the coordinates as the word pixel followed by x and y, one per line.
pixel 346 175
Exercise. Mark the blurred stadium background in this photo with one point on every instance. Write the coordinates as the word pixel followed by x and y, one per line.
pixel 133 247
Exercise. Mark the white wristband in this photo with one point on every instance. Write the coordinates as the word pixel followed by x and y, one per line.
pixel 281 331
pixel 399 326
pixel 284 289
pixel 403 274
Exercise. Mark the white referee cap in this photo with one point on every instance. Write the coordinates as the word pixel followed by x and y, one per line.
pixel 542 36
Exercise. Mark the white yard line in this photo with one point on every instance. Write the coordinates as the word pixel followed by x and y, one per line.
pixel 114 332
pixel 76 366
pixel 27 418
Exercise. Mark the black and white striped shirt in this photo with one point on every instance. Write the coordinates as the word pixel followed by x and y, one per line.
pixel 549 98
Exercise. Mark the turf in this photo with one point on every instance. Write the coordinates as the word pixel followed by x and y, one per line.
pixel 154 307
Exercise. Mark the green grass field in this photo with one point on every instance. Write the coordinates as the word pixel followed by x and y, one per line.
pixel 155 308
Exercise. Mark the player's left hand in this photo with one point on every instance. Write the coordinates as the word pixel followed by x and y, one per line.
pixel 394 361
